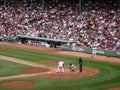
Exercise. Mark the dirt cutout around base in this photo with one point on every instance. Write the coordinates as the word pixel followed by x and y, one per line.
pixel 116 88
pixel 51 73
pixel 87 71
pixel 18 84
pixel 33 70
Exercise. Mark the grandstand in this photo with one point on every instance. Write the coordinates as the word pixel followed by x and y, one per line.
pixel 87 22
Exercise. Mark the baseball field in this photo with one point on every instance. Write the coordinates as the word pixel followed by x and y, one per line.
pixel 24 67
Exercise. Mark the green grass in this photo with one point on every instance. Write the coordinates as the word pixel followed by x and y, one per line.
pixel 10 68
pixel 108 72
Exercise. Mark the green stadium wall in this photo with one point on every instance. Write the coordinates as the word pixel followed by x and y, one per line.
pixel 89 50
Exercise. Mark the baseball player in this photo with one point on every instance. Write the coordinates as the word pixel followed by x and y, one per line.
pixel 73 46
pixel 72 67
pixel 94 51
pixel 60 66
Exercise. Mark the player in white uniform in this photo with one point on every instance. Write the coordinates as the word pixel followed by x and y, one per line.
pixel 60 66
pixel 73 46
pixel 94 51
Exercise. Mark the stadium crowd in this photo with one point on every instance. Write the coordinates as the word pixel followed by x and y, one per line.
pixel 98 23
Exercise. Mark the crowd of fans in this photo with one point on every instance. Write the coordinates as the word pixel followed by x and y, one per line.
pixel 98 23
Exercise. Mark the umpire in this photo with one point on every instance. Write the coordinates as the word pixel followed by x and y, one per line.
pixel 80 64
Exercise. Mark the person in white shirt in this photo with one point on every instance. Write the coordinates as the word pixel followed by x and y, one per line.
pixel 94 51
pixel 60 66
